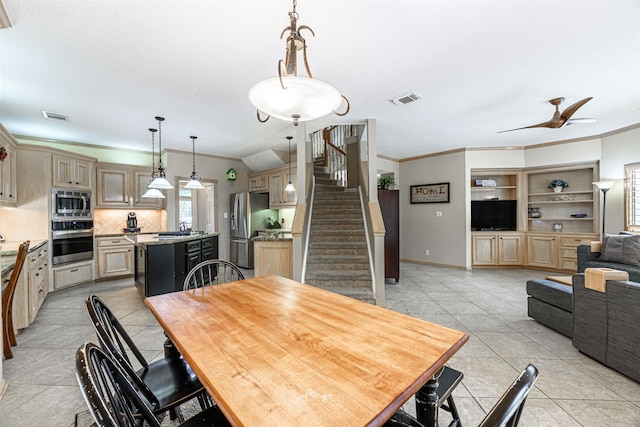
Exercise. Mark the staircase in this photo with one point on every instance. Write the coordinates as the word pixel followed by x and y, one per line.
pixel 337 258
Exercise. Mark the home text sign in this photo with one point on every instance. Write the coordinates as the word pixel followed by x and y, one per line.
pixel 430 193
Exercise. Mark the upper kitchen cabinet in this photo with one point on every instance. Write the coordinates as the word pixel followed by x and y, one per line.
pixel 259 183
pixel 8 181
pixel 274 181
pixel 8 184
pixel 122 186
pixel 71 172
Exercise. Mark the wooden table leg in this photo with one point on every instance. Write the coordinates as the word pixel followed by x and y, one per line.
pixel 427 402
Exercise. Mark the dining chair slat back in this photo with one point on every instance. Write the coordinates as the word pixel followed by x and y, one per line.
pixel 8 333
pixel 212 272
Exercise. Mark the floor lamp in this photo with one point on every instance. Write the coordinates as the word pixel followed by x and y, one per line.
pixel 604 186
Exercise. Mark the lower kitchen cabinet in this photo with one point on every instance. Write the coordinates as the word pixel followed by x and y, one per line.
pixel 494 249
pixel 160 268
pixel 273 257
pixel 542 251
pixel 72 274
pixel 115 257
pixel 37 279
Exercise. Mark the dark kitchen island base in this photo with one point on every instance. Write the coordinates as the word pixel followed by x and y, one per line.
pixel 162 264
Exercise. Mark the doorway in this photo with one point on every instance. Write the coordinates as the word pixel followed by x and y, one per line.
pixel 196 209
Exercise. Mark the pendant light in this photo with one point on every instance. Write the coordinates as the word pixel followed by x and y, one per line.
pixel 153 193
pixel 290 188
pixel 160 182
pixel 292 97
pixel 194 180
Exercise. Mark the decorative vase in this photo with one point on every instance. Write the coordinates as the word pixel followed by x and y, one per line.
pixel 557 189
pixel 557 227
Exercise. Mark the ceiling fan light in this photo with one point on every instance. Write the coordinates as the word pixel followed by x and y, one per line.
pixel 160 183
pixel 153 193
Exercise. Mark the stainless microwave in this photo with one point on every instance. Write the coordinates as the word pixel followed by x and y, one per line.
pixel 71 203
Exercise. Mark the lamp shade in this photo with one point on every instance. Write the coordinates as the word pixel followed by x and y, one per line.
pixel 160 183
pixel 194 184
pixel 153 193
pixel 290 188
pixel 303 96
pixel 604 185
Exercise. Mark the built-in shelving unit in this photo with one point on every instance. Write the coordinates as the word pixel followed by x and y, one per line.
pixel 505 188
pixel 575 208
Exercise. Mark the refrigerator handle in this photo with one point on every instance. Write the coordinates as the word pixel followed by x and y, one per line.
pixel 234 214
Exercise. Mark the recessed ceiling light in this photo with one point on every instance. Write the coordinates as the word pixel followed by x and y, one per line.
pixel 405 99
pixel 55 116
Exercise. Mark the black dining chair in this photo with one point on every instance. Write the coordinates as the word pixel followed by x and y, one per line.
pixel 212 272
pixel 165 383
pixel 505 413
pixel 114 400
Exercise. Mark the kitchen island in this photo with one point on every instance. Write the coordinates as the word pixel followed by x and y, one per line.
pixel 162 262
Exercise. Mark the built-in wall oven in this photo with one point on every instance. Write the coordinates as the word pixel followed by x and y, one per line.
pixel 72 240
pixel 71 226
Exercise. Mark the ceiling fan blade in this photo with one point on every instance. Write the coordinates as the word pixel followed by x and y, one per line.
pixel 547 124
pixel 569 111
pixel 581 120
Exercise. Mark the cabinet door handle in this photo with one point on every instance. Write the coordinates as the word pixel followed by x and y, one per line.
pixel 73 271
pixel 115 241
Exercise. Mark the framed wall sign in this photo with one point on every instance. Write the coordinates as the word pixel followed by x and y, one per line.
pixel 430 193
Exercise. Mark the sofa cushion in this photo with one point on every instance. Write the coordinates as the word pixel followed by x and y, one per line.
pixel 623 249
pixel 553 293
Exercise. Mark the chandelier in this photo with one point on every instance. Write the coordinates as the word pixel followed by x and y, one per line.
pixel 153 193
pixel 160 181
pixel 194 180
pixel 291 97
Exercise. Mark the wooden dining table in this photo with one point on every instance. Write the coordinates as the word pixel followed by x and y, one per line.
pixel 275 352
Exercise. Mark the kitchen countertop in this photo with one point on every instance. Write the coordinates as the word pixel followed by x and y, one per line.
pixel 153 239
pixel 9 252
pixel 123 234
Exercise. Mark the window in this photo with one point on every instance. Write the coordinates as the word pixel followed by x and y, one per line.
pixel 185 212
pixel 632 196
pixel 196 209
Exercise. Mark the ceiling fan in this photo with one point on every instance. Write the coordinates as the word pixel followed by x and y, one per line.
pixel 560 119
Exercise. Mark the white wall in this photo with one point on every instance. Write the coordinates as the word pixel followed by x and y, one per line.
pixel 208 167
pixel 617 151
pixel 420 229
pixel 558 154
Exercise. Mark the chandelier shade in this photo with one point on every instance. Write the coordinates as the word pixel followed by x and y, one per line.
pixel 194 184
pixel 291 97
pixel 153 193
pixel 303 98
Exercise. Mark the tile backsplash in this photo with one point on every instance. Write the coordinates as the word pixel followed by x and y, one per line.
pixel 112 221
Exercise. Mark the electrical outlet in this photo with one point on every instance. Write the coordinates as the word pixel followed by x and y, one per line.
pixel 439 214
pixel 226 215
pixel 426 252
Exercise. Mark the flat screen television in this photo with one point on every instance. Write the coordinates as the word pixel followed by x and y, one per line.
pixel 493 215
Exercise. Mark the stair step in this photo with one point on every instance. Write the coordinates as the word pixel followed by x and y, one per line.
pixel 361 295
pixel 323 266
pixel 352 234
pixel 343 276
pixel 326 224
pixel 363 288
pixel 339 258
pixel 334 251
pixel 332 196
pixel 338 245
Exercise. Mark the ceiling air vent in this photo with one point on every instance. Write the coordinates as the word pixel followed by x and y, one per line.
pixel 405 99
pixel 55 116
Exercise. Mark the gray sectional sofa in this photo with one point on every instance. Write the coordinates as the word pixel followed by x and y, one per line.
pixel 619 252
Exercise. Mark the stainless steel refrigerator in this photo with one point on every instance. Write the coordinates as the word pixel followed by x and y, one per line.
pixel 249 212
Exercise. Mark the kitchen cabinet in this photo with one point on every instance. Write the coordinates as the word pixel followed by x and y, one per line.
pixel 115 257
pixel 37 279
pixel 121 186
pixel 497 249
pixel 259 183
pixel 161 265
pixel 274 181
pixel 8 180
pixel 72 274
pixel 568 255
pixel 71 172
pixel 273 257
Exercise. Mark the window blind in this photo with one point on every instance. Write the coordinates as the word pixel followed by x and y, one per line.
pixel 632 196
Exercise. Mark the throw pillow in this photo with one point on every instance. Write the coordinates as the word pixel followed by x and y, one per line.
pixel 623 249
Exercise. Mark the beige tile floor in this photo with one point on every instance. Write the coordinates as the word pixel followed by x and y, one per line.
pixel 490 305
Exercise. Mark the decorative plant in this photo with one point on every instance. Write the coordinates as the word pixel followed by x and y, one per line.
pixel 385 182
pixel 558 183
